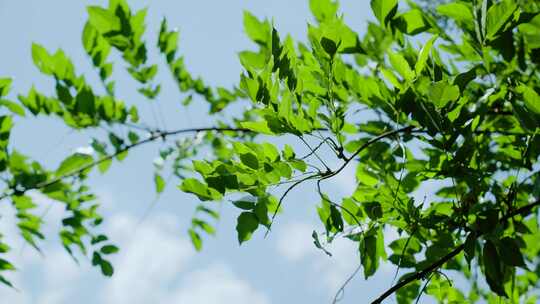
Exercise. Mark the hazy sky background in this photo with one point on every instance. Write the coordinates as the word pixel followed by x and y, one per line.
pixel 157 263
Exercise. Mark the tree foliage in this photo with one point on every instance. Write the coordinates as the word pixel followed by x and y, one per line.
pixel 406 104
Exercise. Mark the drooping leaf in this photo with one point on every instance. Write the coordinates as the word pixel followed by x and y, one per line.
pixel 246 224
pixel 159 183
pixel 192 185
pixel 493 268
pixel 195 239
pixel 510 252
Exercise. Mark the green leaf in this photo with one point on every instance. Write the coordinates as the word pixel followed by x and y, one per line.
pixel 384 9
pixel 257 126
pixel 5 85
pixel 441 93
pixel 133 137
pixel 203 225
pixel 42 60
pixel 208 211
pixel 134 114
pixel 98 239
pixel 252 61
pixel 510 252
pixel 288 152
pixel 408 293
pixel 271 152
pixel 498 15
pixel 6 282
pixel 247 223
pixel 256 30
pixel 470 247
pixel 247 203
pixel 323 9
pixel 368 255
pixel 250 160
pixel 424 55
pixel 530 97
pixel 109 249
pixel 530 31
pixel 401 65
pixel 412 22
pixel 223 182
pixel 106 268
pixel 317 243
pixel 73 164
pixel 457 10
pixel 261 212
pixel 352 216
pixel 103 20
pixel 329 46
pixel 373 210
pixel 527 119
pixel 195 239
pixel 13 107
pixel 202 191
pixel 389 75
pixel 335 217
pixel 492 268
pixel 159 183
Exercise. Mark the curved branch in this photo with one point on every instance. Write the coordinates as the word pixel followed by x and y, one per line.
pixel 423 273
pixel 283 197
pixel 406 129
pixel 155 136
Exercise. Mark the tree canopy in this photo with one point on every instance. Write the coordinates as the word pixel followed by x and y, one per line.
pixel 445 94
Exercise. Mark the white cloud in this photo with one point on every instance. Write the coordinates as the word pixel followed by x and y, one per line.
pixel 87 150
pixel 151 256
pixel 294 241
pixel 295 244
pixel 154 256
pixel 152 267
pixel 216 284
pixel 339 267
pixel 345 182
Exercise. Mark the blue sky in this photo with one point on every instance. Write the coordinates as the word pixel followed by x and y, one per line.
pixel 157 263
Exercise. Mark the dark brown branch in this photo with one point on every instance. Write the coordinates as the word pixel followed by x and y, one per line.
pixel 156 135
pixel 423 273
pixel 365 145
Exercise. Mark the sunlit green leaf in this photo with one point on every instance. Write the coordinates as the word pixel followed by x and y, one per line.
pixel 246 224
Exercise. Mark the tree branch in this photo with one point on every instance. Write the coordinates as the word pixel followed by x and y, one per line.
pixel 365 145
pixel 155 136
pixel 423 273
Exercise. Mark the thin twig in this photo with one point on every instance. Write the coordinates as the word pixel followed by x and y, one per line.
pixel 341 290
pixel 283 197
pixel 155 136
pixel 365 145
